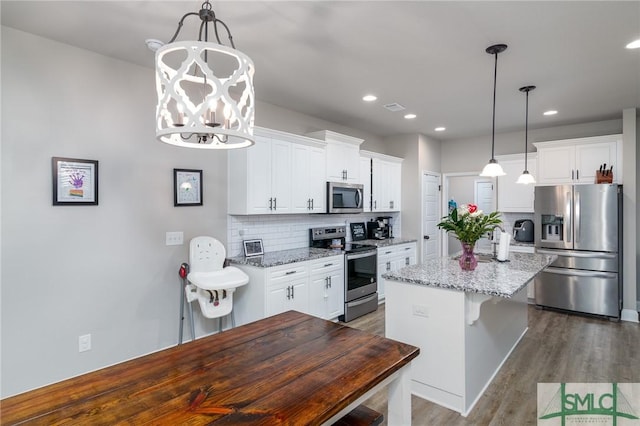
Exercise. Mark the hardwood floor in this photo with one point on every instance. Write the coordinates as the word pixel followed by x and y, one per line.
pixel 558 347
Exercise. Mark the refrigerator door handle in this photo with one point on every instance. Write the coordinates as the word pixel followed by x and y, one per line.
pixel 577 217
pixel 568 213
pixel 568 253
pixel 580 273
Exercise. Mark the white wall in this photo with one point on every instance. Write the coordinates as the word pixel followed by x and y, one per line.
pixel 102 270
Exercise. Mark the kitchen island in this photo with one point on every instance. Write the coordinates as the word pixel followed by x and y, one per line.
pixel 466 323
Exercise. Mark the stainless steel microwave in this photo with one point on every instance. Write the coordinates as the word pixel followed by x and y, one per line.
pixel 344 197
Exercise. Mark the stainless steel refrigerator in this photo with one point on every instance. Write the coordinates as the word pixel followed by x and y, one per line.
pixel 582 225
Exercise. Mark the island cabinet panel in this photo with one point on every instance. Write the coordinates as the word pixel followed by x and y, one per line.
pixel 577 160
pixel 461 353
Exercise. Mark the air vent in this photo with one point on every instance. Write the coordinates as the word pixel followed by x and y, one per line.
pixel 394 107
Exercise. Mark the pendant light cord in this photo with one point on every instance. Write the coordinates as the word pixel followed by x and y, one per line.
pixel 493 129
pixel 526 134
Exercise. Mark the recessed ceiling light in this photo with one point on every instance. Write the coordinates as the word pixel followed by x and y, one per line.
pixel 440 129
pixel 369 98
pixel 550 112
pixel 410 116
pixel 634 44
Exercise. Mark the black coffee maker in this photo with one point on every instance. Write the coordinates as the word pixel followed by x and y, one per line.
pixel 380 229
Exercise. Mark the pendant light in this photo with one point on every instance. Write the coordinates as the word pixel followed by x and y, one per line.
pixel 492 168
pixel 526 177
pixel 200 106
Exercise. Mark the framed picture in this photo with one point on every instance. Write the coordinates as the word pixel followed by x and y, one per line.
pixel 75 182
pixel 187 187
pixel 253 248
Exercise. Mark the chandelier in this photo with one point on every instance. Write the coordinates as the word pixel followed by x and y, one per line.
pixel 205 90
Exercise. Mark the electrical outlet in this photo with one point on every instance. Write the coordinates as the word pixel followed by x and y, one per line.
pixel 84 343
pixel 175 238
pixel 421 311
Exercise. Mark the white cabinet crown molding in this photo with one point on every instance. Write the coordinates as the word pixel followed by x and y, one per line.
pixel 330 136
pixel 288 137
pixel 384 157
pixel 579 141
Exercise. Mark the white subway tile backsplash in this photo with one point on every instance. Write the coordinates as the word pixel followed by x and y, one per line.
pixel 284 232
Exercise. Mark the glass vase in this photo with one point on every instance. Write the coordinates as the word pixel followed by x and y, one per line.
pixel 467 260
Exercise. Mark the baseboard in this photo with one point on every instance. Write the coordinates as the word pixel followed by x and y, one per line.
pixel 629 315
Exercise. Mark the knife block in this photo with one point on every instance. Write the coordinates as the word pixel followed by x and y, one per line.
pixel 602 178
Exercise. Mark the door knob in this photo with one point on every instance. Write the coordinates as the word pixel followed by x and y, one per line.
pixel 426 237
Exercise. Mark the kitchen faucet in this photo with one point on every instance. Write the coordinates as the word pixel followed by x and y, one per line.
pixel 493 240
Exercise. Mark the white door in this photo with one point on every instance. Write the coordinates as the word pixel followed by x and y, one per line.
pixel 484 200
pixel 430 216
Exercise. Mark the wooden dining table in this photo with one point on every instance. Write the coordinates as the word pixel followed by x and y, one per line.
pixel 290 369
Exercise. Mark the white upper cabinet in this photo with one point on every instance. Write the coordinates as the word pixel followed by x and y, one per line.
pixel 308 180
pixel 515 197
pixel 343 156
pixel 281 173
pixel 578 160
pixel 365 178
pixel 386 182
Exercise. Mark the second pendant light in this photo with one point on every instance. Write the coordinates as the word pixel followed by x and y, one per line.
pixel 526 177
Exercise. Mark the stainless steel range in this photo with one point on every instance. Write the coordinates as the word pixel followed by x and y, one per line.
pixel 360 271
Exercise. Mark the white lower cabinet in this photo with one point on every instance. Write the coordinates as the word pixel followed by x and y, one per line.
pixel 393 258
pixel 314 287
pixel 287 289
pixel 326 287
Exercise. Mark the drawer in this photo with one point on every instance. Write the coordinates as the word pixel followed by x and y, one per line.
pixel 292 271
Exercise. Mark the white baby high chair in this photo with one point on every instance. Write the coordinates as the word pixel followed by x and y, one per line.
pixel 209 281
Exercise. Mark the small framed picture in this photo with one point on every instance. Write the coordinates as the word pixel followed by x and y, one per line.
pixel 75 182
pixel 253 248
pixel 187 187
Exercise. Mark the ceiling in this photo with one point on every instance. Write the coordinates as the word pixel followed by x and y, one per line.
pixel 321 57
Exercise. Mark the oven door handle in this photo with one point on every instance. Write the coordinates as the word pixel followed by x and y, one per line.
pixel 360 256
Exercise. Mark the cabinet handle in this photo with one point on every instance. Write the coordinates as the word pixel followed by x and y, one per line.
pixel 270 203
pixel 312 204
pixel 375 204
pixel 326 282
pixel 388 266
pixel 288 292
pixel 275 205
pixel 406 261
pixel 308 203
pixel 290 272
pixel 330 282
pixel 409 248
pixel 292 294
pixel 326 265
pixel 390 204
pixel 577 174
pixel 387 252
pixel 571 174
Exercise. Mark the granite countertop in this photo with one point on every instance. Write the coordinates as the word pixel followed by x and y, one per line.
pixel 386 243
pixel 493 278
pixel 283 257
pixel 520 244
